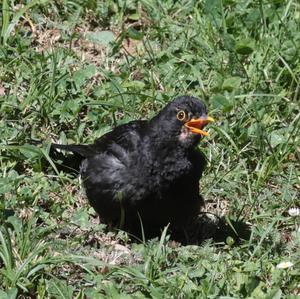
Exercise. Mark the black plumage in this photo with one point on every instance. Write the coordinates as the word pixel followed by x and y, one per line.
pixel 147 171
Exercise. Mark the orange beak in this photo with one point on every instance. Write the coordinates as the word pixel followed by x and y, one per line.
pixel 196 125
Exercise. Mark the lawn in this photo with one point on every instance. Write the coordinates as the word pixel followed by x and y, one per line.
pixel 72 70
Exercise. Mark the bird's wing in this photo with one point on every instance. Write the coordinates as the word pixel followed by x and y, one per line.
pixel 109 175
pixel 124 135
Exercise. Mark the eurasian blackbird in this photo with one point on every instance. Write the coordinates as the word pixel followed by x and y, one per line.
pixel 145 174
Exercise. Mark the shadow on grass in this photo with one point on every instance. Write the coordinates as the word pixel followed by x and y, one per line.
pixel 206 226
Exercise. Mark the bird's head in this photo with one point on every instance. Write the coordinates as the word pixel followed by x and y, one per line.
pixel 183 120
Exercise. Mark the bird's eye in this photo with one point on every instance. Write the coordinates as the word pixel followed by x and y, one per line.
pixel 181 115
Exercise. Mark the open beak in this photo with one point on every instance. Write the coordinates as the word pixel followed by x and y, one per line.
pixel 196 125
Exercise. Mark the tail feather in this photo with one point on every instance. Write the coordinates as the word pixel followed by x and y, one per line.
pixel 70 163
pixel 85 151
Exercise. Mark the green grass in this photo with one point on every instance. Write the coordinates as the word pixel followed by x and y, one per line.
pixel 72 70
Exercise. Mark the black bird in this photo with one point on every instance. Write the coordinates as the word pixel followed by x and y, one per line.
pixel 147 172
